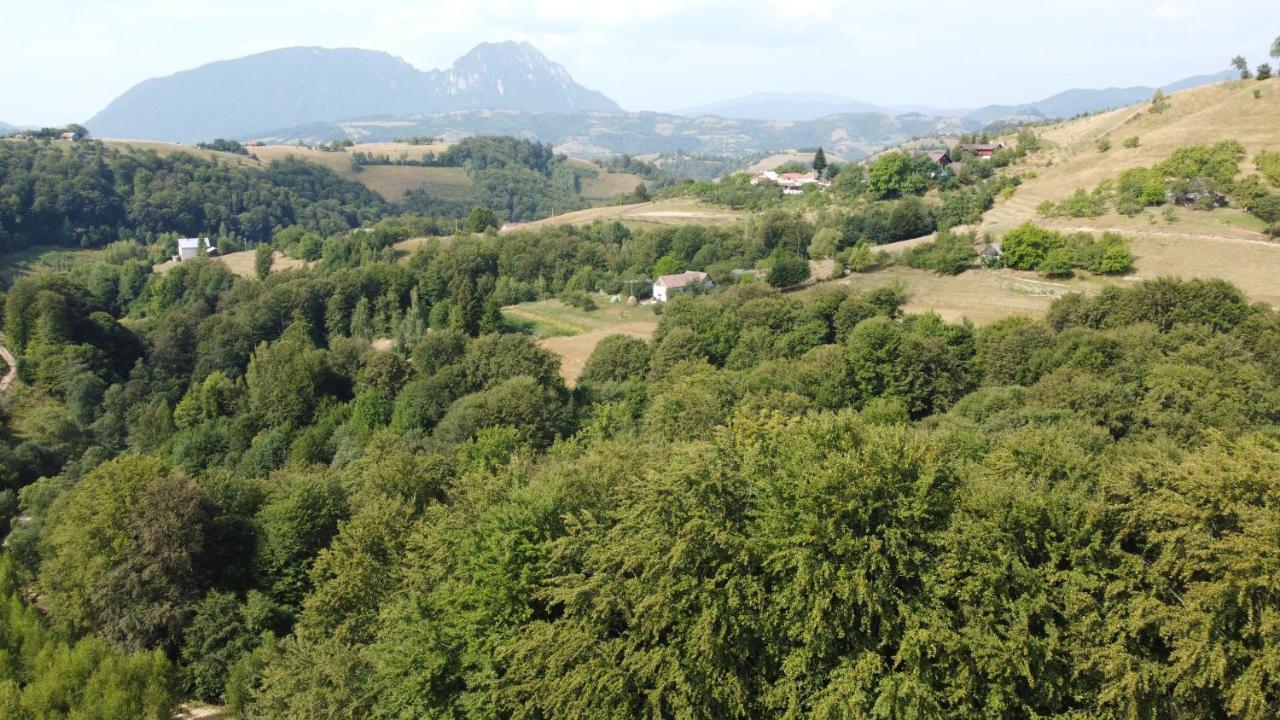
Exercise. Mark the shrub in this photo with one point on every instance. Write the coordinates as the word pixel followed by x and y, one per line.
pixel 824 243
pixel 1103 144
pixel 1027 245
pixel 1057 263
pixel 1081 204
pixel 788 270
pixel 1268 163
pixel 1131 142
pixel 1159 102
pixel 859 258
pixel 949 254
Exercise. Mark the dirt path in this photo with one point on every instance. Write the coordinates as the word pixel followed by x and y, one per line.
pixel 12 372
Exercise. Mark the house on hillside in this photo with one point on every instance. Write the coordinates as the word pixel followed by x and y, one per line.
pixel 1199 194
pixel 792 183
pixel 189 248
pixel 990 254
pixel 69 136
pixel 668 286
pixel 982 150
pixel 940 157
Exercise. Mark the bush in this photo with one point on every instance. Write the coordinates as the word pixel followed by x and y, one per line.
pixel 824 243
pixel 580 300
pixel 1081 204
pixel 949 254
pixel 1268 163
pixel 787 270
pixel 1103 144
pixel 1026 246
pixel 1057 263
pixel 1131 142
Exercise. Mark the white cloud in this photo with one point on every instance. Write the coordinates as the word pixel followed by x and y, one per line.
pixel 1170 12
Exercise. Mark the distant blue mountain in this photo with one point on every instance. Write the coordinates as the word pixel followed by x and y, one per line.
pixel 1071 103
pixel 298 85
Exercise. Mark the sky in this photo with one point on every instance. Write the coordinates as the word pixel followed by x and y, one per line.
pixel 63 60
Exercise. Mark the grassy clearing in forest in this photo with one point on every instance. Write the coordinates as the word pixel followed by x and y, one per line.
pixel 573 333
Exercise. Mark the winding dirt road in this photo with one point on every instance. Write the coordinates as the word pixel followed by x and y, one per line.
pixel 12 370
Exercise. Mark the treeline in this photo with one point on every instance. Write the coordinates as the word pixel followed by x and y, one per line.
pixel 477 153
pixel 224 145
pixel 89 194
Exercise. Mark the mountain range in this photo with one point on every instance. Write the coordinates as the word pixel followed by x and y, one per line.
pixel 293 86
pixel 317 94
pixel 798 107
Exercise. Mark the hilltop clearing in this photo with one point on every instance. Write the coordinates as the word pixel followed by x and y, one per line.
pixel 675 211
pixel 391 182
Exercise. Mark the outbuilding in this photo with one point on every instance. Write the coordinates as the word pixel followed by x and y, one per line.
pixel 189 248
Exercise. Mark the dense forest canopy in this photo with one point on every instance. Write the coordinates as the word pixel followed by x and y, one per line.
pixel 354 489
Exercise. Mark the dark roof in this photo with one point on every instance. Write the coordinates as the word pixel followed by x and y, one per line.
pixel 685 278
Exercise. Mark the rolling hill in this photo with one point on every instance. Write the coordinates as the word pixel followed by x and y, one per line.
pixel 1226 111
pixel 293 86
pixel 598 134
pixel 1225 243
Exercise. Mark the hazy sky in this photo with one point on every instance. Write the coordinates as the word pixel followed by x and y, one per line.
pixel 63 60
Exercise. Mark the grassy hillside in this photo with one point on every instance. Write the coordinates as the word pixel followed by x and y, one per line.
pixel 1227 111
pixel 790 157
pixel 389 181
pixel 165 149
pixel 678 211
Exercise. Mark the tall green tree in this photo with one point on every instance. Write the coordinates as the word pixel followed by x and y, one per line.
pixel 820 162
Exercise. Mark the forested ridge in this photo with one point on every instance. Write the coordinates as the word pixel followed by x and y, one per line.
pixel 89 194
pixel 802 504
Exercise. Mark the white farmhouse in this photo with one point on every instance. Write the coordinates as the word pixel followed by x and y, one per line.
pixel 189 248
pixel 669 285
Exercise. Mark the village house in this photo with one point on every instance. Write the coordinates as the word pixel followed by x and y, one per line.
pixel 982 150
pixel 791 183
pixel 189 248
pixel 69 136
pixel 940 157
pixel 667 286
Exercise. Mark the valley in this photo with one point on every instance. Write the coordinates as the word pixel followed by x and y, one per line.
pixel 335 388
